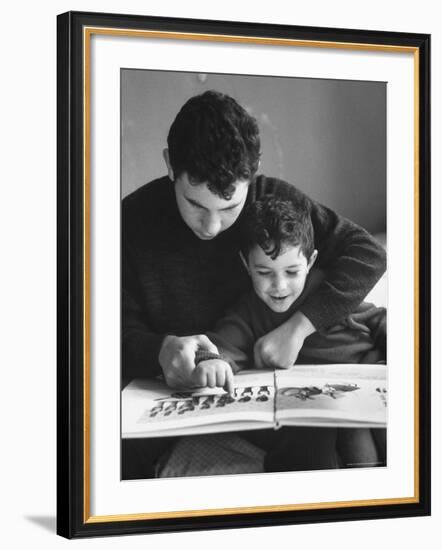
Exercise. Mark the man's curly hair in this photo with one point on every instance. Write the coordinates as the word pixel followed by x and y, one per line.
pixel 274 224
pixel 215 141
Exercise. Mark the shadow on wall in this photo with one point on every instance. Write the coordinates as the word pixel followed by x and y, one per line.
pixel 328 137
pixel 48 523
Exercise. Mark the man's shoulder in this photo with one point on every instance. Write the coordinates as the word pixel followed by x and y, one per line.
pixel 148 195
pixel 148 205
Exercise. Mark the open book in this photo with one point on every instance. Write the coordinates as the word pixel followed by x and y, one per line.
pixel 307 395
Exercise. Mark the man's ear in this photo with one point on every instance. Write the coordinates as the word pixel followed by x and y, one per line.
pixel 244 261
pixel 312 259
pixel 169 166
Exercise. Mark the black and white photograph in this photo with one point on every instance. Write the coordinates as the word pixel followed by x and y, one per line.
pixel 253 274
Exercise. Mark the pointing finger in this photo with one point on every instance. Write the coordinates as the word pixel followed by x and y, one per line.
pixel 229 386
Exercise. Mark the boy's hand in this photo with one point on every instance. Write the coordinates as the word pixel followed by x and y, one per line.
pixel 177 358
pixel 214 373
pixel 280 347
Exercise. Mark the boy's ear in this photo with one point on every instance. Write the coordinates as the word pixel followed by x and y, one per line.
pixel 169 166
pixel 244 261
pixel 312 259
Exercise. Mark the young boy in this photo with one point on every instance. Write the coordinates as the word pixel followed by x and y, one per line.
pixel 277 248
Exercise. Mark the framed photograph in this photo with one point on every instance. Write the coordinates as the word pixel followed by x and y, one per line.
pixel 243 274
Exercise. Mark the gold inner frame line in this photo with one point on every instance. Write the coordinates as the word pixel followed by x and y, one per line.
pixel 87 33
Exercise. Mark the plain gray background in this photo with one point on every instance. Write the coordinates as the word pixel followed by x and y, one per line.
pixel 328 137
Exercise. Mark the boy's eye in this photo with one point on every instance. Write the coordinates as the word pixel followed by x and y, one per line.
pixel 292 273
pixel 263 273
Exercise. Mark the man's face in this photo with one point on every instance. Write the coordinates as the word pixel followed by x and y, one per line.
pixel 279 282
pixel 205 213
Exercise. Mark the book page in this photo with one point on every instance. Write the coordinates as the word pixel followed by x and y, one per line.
pixel 151 409
pixel 332 395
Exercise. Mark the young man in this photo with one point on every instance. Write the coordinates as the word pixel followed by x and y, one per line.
pixel 180 246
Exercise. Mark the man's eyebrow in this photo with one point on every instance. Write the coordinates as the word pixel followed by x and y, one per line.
pixel 196 203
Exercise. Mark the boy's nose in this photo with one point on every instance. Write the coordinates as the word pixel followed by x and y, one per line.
pixel 279 283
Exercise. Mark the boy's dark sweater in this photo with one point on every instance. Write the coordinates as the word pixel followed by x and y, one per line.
pixel 360 337
pixel 175 283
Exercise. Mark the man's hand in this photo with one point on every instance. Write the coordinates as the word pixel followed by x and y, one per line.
pixel 214 373
pixel 280 347
pixel 177 358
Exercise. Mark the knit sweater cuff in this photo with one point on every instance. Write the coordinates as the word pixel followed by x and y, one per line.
pixel 204 355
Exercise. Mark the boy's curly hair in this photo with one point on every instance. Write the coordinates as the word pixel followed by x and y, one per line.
pixel 214 140
pixel 274 224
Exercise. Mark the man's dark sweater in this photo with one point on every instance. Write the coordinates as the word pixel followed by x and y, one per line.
pixel 175 283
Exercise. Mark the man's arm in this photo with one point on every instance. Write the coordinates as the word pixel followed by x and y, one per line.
pixel 353 261
pixel 147 354
pixel 140 345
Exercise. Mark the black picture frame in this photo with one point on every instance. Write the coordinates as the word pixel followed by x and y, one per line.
pixel 73 516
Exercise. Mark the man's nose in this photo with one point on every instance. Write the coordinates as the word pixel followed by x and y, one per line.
pixel 211 225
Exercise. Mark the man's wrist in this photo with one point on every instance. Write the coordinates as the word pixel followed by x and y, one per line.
pixel 166 340
pixel 163 357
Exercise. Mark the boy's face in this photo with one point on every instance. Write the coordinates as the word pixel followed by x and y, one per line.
pixel 279 282
pixel 205 213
